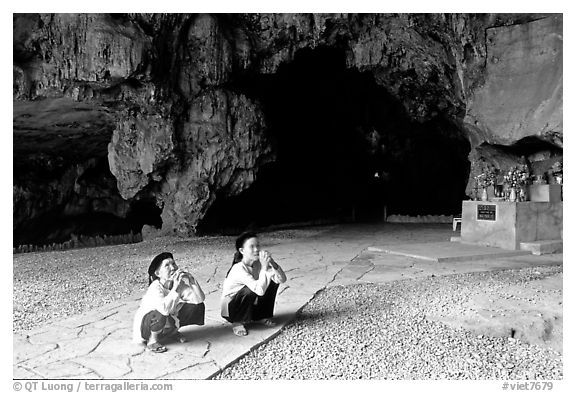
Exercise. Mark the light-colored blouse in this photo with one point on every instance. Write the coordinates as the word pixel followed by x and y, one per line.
pixel 165 301
pixel 253 277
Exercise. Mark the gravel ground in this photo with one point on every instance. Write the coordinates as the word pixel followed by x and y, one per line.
pixel 360 331
pixel 58 284
pixel 372 331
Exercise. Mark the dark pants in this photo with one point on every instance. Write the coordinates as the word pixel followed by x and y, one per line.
pixel 189 314
pixel 246 306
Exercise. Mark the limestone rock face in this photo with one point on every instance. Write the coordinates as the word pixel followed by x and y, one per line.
pixel 522 93
pixel 486 158
pixel 141 145
pixel 225 143
pixel 158 95
pixel 61 49
pixel 205 58
pixel 412 55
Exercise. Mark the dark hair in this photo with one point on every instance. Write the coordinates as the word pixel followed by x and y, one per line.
pixel 155 264
pixel 240 240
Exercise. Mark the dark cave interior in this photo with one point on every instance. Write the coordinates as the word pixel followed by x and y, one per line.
pixel 334 129
pixel 92 206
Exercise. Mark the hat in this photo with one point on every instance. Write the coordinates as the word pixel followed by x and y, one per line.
pixel 240 240
pixel 155 264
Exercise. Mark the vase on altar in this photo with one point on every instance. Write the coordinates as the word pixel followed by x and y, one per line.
pixel 522 194
pixel 498 190
pixel 484 195
pixel 513 195
pixel 539 180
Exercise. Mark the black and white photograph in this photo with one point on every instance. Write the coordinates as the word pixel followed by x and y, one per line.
pixel 287 195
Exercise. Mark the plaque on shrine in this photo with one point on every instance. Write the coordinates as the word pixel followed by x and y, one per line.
pixel 486 212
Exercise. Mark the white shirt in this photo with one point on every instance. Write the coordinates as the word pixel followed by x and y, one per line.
pixel 165 301
pixel 241 275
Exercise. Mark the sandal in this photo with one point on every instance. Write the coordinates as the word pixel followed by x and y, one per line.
pixel 239 330
pixel 156 347
pixel 267 322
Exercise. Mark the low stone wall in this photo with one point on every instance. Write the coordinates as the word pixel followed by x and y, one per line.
pixel 81 242
pixel 441 219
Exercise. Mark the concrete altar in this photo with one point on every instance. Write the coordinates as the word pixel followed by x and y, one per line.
pixel 507 224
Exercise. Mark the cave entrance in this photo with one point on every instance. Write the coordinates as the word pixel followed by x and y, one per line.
pixel 345 149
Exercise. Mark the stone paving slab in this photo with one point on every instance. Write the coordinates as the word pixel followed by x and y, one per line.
pixel 97 345
pixel 447 251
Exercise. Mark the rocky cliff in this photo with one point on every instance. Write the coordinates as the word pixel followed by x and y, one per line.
pixel 189 108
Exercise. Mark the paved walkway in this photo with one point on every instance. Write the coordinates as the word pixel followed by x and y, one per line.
pixel 97 345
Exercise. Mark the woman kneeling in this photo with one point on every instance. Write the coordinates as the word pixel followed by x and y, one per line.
pixel 250 287
pixel 174 298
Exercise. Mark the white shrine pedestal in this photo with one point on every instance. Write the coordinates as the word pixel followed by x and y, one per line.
pixel 507 224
